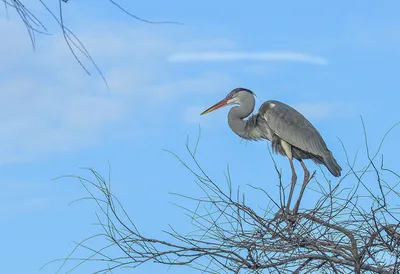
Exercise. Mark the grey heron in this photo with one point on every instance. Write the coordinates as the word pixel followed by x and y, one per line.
pixel 290 133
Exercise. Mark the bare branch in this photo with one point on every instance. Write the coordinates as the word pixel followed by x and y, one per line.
pixel 35 26
pixel 342 233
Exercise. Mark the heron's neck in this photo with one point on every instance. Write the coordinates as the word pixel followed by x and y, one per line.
pixel 237 124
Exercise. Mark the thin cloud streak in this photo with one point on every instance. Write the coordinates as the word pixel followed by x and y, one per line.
pixel 246 56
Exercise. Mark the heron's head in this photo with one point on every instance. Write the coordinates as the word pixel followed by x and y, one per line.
pixel 236 97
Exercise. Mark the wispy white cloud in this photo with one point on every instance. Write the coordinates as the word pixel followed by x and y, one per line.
pixel 48 105
pixel 247 56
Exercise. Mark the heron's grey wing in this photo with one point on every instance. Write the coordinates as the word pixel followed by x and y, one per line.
pixel 291 126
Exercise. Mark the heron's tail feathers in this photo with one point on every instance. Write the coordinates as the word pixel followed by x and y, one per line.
pixel 332 165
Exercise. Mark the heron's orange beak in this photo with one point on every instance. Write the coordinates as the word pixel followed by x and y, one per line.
pixel 218 105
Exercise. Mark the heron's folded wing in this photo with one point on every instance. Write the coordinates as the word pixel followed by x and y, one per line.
pixel 293 127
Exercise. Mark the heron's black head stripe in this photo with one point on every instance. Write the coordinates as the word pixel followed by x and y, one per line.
pixel 236 90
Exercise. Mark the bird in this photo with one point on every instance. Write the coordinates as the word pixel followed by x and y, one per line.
pixel 289 132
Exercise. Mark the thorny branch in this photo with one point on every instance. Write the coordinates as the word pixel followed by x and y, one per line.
pixel 345 231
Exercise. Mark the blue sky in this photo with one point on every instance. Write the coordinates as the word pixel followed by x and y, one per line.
pixel 333 62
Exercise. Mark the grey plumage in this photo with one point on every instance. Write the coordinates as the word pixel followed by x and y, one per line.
pixel 288 124
pixel 277 121
pixel 290 133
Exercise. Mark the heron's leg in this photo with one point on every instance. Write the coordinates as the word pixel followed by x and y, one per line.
pixel 303 187
pixel 294 179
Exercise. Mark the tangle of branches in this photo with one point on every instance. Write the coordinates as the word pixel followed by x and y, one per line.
pixel 344 232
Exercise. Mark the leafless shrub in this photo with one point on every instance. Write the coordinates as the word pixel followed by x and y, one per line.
pixel 344 232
